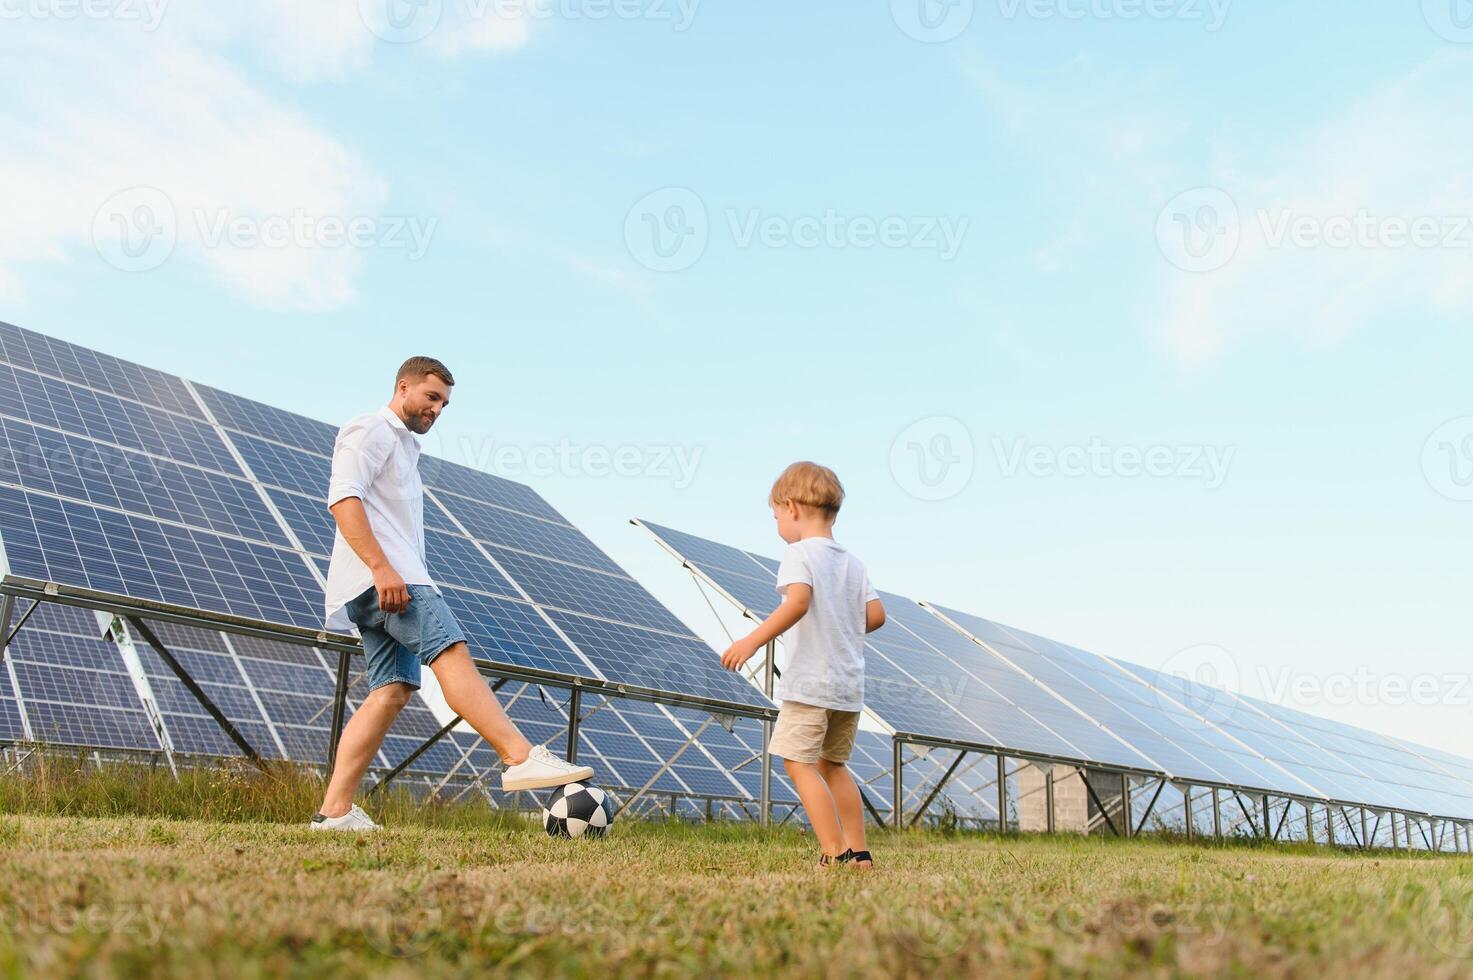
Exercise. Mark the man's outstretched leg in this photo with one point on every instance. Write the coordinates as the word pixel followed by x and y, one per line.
pixel 524 766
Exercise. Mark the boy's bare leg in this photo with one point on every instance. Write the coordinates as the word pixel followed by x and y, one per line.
pixel 361 738
pixel 818 803
pixel 470 697
pixel 846 799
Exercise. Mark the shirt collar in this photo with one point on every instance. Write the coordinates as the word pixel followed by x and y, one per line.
pixel 400 429
pixel 393 418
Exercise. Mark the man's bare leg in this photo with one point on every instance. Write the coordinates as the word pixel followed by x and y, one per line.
pixel 469 696
pixel 361 739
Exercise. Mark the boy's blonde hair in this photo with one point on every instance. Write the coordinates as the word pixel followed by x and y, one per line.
pixel 811 485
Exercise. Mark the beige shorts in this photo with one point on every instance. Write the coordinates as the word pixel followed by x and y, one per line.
pixel 805 733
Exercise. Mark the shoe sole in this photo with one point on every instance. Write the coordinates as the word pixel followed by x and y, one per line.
pixel 343 830
pixel 582 775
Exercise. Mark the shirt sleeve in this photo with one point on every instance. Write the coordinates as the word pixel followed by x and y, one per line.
pixel 794 569
pixel 870 595
pixel 358 457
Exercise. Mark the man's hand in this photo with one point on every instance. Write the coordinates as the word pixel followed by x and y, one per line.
pixel 393 594
pixel 739 653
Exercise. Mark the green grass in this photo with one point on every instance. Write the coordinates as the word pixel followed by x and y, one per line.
pixel 118 874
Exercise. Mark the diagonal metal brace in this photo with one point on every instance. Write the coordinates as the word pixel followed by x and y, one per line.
pixel 1098 803
pixel 868 805
pixel 936 790
pixel 424 747
pixel 710 719
pixel 1246 815
pixel 35 604
pixel 1147 815
pixel 194 688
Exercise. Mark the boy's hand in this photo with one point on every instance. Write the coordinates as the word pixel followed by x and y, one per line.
pixel 739 653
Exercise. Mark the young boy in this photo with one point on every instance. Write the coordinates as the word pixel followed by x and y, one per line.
pixel 828 606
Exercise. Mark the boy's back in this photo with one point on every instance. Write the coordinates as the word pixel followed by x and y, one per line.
pixel 826 647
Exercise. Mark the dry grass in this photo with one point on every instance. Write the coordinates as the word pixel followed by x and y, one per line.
pixel 456 892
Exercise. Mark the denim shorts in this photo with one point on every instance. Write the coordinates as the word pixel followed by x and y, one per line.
pixel 395 644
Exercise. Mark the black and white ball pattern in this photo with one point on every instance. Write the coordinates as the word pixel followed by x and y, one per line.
pixel 578 810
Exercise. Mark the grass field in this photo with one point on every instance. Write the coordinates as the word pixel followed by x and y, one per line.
pixel 103 876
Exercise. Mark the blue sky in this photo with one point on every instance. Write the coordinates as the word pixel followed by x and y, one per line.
pixel 976 267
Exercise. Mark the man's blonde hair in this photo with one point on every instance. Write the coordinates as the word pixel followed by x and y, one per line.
pixel 811 485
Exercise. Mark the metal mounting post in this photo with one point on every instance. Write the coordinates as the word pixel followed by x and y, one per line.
pixel 575 709
pixel 1002 794
pixel 339 708
pixel 768 666
pixel 897 785
pixel 194 688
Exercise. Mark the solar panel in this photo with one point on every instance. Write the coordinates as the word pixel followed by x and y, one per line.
pixel 1301 755
pixel 922 677
pixel 74 686
pixel 1179 742
pixel 129 481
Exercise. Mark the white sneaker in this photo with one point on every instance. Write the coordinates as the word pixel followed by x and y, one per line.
pixel 543 770
pixel 355 819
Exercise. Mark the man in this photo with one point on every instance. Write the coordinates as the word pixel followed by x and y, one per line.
pixel 379 582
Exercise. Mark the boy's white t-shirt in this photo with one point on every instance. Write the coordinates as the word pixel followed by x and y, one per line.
pixel 826 647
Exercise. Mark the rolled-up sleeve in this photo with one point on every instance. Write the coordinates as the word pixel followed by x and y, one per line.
pixel 358 457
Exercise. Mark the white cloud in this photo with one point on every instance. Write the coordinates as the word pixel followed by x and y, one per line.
pixel 1396 157
pixel 179 104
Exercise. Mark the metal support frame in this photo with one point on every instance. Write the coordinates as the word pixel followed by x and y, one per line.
pixel 1099 803
pixel 1216 816
pixel 339 709
pixel 936 790
pixel 1048 785
pixel 1150 807
pixel 411 757
pixel 769 667
pixel 1365 835
pixel 1002 794
pixel 1246 815
pixel 575 709
pixel 424 747
pixel 897 785
pixel 1395 835
pixel 870 806
pixel 1186 803
pixel 1127 820
pixel 194 688
pixel 1359 838
pixel 665 767
pixel 1309 821
pixel 5 615
pixel 1330 825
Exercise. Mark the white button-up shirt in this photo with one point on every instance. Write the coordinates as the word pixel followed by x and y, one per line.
pixel 376 459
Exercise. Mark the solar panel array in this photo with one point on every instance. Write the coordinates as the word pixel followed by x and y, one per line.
pixel 954 677
pixel 125 480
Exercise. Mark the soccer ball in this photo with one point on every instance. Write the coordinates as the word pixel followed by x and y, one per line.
pixel 578 810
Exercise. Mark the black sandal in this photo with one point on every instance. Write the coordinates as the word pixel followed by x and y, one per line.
pixel 853 855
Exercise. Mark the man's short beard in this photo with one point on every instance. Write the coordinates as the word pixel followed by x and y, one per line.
pixel 417 424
